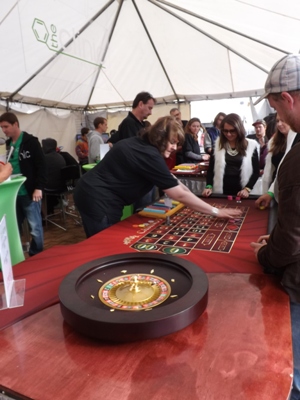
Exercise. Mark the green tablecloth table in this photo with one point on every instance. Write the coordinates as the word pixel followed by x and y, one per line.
pixel 8 195
pixel 87 167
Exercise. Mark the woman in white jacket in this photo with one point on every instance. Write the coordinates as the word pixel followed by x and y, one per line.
pixel 279 145
pixel 234 165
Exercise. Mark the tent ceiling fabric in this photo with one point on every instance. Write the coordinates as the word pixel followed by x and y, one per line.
pixel 92 54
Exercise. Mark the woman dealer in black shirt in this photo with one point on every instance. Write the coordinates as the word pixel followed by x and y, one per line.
pixel 128 171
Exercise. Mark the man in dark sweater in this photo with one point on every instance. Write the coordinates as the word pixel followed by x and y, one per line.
pixel 132 126
pixel 134 122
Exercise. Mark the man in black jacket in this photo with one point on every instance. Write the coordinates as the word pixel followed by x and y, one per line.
pixel 134 125
pixel 134 122
pixel 28 159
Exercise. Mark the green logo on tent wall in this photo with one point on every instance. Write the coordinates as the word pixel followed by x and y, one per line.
pixel 49 36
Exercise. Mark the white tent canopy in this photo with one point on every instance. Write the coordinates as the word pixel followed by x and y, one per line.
pixel 93 54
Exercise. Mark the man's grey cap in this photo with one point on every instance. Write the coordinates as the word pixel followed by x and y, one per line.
pixel 283 77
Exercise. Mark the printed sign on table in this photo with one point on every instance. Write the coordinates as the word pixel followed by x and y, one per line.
pixel 7 273
pixel 14 291
pixel 104 148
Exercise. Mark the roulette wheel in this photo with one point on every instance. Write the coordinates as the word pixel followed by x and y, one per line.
pixel 133 296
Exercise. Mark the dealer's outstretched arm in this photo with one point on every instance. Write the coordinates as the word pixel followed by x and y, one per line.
pixel 184 195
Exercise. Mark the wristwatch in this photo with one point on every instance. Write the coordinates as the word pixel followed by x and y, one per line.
pixel 215 211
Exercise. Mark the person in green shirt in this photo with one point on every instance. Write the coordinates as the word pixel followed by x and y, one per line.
pixel 27 158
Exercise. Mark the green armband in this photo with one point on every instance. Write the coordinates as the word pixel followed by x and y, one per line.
pixel 208 187
pixel 271 194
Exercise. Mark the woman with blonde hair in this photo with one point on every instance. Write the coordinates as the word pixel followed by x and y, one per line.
pixel 191 147
pixel 278 146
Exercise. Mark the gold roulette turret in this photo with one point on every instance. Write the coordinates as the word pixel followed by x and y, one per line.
pixel 134 292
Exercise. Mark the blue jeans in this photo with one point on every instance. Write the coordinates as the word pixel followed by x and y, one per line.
pixel 295 317
pixel 31 210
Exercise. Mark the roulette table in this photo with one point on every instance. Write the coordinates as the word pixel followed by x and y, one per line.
pixel 45 271
pixel 183 233
pixel 192 230
pixel 230 351
pixel 214 244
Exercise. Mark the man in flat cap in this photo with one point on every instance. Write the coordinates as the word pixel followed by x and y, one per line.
pixel 280 251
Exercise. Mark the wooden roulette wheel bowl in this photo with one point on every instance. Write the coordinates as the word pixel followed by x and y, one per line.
pixel 133 296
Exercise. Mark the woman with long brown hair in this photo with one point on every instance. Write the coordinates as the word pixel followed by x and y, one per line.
pixel 234 164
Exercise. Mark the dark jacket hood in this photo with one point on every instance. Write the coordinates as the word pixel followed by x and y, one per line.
pixel 49 145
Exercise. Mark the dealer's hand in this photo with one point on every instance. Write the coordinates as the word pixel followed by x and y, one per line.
pixel 37 195
pixel 229 213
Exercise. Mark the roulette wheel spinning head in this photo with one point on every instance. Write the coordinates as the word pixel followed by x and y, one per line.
pixel 130 297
